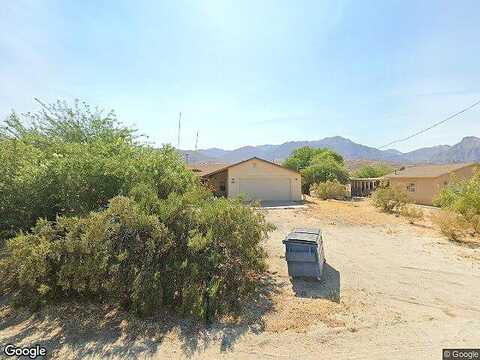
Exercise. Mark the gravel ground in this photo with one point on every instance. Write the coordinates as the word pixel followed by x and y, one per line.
pixel 391 290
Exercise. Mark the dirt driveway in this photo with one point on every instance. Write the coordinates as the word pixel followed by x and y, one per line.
pixel 391 291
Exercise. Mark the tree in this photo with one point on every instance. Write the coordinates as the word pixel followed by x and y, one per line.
pixel 69 160
pixel 317 165
pixel 306 156
pixel 373 171
pixel 321 172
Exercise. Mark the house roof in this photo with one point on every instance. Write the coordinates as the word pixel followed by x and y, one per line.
pixel 427 171
pixel 204 168
pixel 243 161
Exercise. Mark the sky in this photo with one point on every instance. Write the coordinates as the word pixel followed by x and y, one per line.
pixel 251 72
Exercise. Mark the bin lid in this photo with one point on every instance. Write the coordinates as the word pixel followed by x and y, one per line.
pixel 312 239
pixel 308 230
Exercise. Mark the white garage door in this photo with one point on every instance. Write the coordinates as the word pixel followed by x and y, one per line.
pixel 265 188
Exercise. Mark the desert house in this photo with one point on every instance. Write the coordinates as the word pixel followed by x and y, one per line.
pixel 423 183
pixel 255 178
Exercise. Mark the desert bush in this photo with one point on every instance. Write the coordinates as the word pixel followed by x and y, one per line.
pixel 91 212
pixel 143 253
pixel 390 199
pixel 463 197
pixel 330 189
pixel 412 213
pixel 451 224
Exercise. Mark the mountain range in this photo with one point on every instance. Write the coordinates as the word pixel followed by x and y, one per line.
pixel 467 150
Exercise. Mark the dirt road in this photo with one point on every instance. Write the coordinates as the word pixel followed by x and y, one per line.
pixel 391 291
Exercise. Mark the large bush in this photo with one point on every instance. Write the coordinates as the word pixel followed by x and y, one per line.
pixel 99 216
pixel 189 252
pixel 462 196
pixel 460 201
pixel 329 190
pixel 390 199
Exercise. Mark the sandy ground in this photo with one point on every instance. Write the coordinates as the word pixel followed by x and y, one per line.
pixel 391 290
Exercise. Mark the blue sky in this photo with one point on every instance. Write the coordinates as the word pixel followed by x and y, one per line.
pixel 251 72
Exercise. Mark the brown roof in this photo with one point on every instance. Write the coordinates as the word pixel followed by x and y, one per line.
pixel 241 162
pixel 427 171
pixel 204 169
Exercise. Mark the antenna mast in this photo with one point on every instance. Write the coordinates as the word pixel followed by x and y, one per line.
pixel 196 142
pixel 179 120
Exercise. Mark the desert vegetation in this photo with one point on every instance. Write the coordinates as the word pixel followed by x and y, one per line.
pixel 373 171
pixel 317 166
pixel 89 211
pixel 331 189
pixel 460 203
pixel 393 200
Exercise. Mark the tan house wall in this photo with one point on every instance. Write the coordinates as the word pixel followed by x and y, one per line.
pixel 426 189
pixel 261 169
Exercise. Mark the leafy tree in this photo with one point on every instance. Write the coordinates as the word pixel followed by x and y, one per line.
pixel 70 161
pixel 373 171
pixel 327 155
pixel 300 158
pixel 317 165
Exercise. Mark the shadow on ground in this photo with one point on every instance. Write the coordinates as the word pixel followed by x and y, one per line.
pixel 326 288
pixel 92 330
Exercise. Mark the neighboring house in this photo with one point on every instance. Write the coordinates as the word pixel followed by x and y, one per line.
pixel 255 178
pixel 423 183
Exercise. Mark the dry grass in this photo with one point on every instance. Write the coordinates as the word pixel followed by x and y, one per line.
pixel 298 314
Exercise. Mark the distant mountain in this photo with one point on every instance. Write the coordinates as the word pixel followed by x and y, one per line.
pixel 467 150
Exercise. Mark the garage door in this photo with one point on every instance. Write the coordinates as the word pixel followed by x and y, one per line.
pixel 265 188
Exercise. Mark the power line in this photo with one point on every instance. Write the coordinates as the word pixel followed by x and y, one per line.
pixel 431 126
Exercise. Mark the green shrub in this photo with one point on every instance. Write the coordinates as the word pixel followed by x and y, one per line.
pixel 390 199
pixel 330 189
pixel 462 196
pixel 143 253
pixel 95 214
pixel 412 213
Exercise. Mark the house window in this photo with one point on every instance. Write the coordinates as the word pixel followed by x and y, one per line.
pixel 411 187
pixel 222 187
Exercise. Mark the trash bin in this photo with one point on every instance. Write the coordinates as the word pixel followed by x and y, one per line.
pixel 304 253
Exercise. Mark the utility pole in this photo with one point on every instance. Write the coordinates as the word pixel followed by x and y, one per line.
pixel 196 142
pixel 179 127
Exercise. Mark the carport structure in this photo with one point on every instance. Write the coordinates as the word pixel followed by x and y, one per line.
pixel 364 186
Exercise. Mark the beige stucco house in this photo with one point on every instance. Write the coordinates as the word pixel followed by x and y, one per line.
pixel 255 178
pixel 423 183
